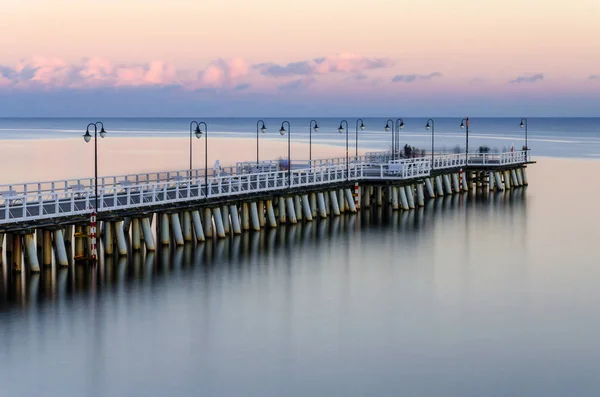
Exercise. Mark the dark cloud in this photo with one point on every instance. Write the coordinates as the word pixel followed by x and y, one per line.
pixel 295 85
pixel 345 63
pixel 594 77
pixel 241 87
pixel 303 68
pixel 528 79
pixel 411 78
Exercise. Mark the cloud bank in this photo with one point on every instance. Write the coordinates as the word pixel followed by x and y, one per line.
pixel 411 78
pixel 528 79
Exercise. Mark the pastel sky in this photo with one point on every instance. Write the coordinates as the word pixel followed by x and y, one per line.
pixel 299 57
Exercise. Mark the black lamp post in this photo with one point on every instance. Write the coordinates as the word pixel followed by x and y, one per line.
pixel 340 130
pixel 282 132
pixel 431 124
pixel 263 129
pixel 389 124
pixel 310 129
pixel 362 128
pixel 87 137
pixel 198 135
pixel 399 126
pixel 524 124
pixel 465 123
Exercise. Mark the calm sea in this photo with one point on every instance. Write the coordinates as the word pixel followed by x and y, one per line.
pixel 557 137
pixel 492 295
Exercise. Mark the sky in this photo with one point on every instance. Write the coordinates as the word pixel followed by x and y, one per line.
pixel 227 58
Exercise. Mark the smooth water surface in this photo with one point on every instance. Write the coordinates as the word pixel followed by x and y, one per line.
pixel 471 296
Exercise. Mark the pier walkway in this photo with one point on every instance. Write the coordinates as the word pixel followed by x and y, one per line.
pixel 30 205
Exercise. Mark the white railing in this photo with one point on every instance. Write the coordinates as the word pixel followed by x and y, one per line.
pixel 508 158
pixel 449 161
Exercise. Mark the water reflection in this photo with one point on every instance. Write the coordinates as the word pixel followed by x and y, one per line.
pixel 115 273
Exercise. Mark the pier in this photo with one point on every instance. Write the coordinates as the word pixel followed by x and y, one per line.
pixel 41 221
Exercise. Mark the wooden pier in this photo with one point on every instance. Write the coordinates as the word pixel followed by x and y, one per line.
pixel 195 205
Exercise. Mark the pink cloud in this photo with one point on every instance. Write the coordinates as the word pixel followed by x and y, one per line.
pixel 220 73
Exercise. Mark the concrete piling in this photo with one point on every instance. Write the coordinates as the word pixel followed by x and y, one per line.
pixel 226 221
pixel 245 217
pixel 208 224
pixel 136 241
pixel 341 200
pixel 79 242
pixel 455 182
pixel 281 204
pixel 395 198
pixel 17 254
pixel 271 214
pixel 321 204
pixel 47 248
pixel 108 238
pixel 198 226
pixel 429 187
pixel 30 249
pixel 507 180
pixel 218 217
pixel 350 200
pixel 438 185
pixel 410 195
pixel 254 216
pixel 447 186
pixel 519 176
pixel 59 245
pixel 498 183
pixel 120 234
pixel 261 213
pixel 127 224
pixel 235 219
pixel 335 207
pixel 298 207
pixel 188 234
pixel 313 205
pixel 524 176
pixel 291 212
pixel 403 198
pixel 306 207
pixel 147 231
pixel 420 195
pixel 165 238
pixel 514 179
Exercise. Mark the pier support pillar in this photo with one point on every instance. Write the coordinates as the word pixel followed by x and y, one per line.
pixel 410 195
pixel 420 195
pixel 47 248
pixel 321 204
pixel 226 221
pixel 165 238
pixel 208 224
pixel 366 197
pixel 188 235
pixel 306 207
pixel 271 214
pixel 465 181
pixel 379 196
pixel 136 241
pixel 438 185
pixel 341 201
pixel 491 181
pixel 281 204
pixel 198 226
pixel 335 208
pixel 254 216
pixel 313 205
pixel 176 228
pixel 350 200
pixel 403 198
pixel 456 183
pixel 515 180
pixel 148 238
pixel 524 175
pixel 498 183
pixel 235 219
pixel 61 251
pixel 507 179
pixel 429 187
pixel 108 238
pixel 298 207
pixel 245 217
pixel 218 217
pixel 121 243
pixel 127 224
pixel 519 176
pixel 447 186
pixel 32 258
pixel 395 198
pixel 261 213
pixel 327 202
pixel 79 242
pixel 17 253
pixel 68 235
pixel 291 211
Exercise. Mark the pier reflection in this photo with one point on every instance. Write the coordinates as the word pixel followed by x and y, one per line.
pixel 269 249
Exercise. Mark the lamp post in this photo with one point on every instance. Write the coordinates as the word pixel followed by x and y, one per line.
pixel 399 126
pixel 362 128
pixel 431 124
pixel 310 129
pixel 198 135
pixel 465 123
pixel 282 131
pixel 263 129
pixel 389 126
pixel 87 137
pixel 340 130
pixel 524 124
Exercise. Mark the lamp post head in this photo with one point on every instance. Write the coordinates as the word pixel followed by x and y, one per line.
pixel 427 127
pixel 198 132
pixel 522 125
pixel 87 137
pixel 316 127
pixel 387 127
pixel 340 129
pixel 462 124
pixel 282 130
pixel 401 124
pixel 263 129
pixel 102 132
pixel 362 126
